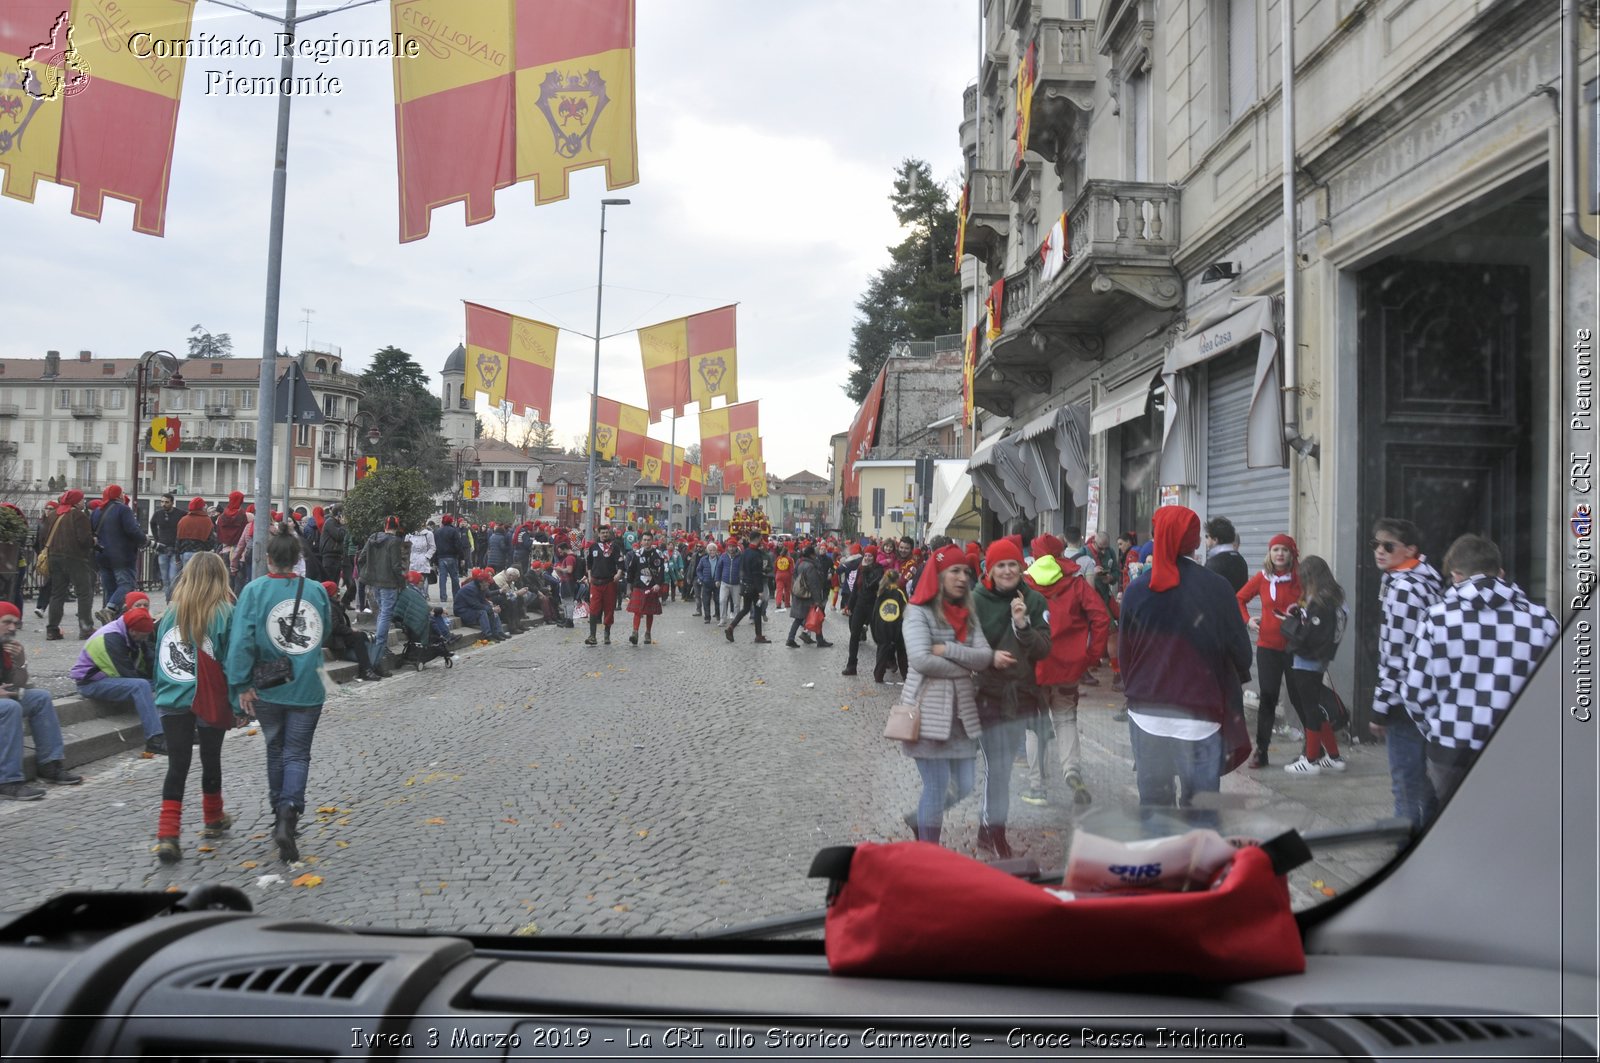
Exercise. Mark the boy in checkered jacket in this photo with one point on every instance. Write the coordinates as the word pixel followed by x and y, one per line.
pixel 1411 586
pixel 1474 652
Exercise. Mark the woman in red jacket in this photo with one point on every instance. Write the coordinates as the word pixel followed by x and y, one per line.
pixel 1277 586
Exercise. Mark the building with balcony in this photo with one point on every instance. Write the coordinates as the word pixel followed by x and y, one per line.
pixel 72 422
pixel 1148 349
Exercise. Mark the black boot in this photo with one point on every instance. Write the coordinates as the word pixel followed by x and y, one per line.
pixel 994 838
pixel 283 831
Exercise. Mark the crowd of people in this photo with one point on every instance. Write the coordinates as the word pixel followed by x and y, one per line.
pixel 992 643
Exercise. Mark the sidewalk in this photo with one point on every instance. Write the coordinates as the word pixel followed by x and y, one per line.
pixel 92 729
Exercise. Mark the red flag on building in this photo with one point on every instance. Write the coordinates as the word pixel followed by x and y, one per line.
pixel 863 434
pixel 77 107
pixel 506 91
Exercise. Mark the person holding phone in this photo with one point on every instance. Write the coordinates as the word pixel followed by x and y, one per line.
pixel 1274 589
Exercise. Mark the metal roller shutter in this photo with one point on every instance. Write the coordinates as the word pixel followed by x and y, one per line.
pixel 1256 500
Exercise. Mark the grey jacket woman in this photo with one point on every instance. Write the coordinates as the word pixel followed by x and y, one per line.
pixel 943 684
pixel 808 576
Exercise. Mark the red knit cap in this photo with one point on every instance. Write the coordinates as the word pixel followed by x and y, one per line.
pixel 111 494
pixel 1177 534
pixel 197 505
pixel 1002 550
pixel 1048 544
pixel 1282 539
pixel 71 498
pixel 139 621
pixel 136 600
pixel 331 587
pixel 7 609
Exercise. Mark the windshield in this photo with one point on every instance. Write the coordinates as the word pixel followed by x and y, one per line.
pixel 654 399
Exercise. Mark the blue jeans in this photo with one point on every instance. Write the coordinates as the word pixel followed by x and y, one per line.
pixel 1000 742
pixel 386 599
pixel 171 564
pixel 485 620
pixel 135 690
pixel 936 774
pixel 1171 771
pixel 35 706
pixel 125 580
pixel 449 569
pixel 288 730
pixel 1414 798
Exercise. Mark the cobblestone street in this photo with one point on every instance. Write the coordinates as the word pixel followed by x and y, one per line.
pixel 542 786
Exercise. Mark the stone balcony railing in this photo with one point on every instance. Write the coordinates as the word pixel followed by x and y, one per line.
pixel 988 211
pixel 10 409
pixel 1111 221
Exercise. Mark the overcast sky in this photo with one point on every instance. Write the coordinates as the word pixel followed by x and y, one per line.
pixel 768 134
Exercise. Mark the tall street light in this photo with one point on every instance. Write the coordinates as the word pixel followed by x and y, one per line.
pixel 594 395
pixel 143 377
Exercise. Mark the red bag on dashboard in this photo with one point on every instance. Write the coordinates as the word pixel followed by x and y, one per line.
pixel 915 910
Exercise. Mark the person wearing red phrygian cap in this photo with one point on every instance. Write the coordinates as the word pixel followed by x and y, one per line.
pixel 1185 653
pixel 946 648
pixel 67 540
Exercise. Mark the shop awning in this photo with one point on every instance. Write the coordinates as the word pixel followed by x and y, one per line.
pixel 986 475
pixel 1061 441
pixel 1030 489
pixel 1247 320
pixel 1120 405
pixel 956 501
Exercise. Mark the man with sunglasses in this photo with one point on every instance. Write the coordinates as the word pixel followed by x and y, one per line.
pixel 1411 586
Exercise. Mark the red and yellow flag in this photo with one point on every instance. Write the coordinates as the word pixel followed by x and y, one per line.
pixel 620 432
pixel 506 91
pixel 166 434
pixel 994 308
pixel 727 431
pixel 969 365
pixel 510 359
pixel 961 223
pixel 746 464
pixel 691 479
pixel 80 106
pixel 365 467
pixel 1027 75
pixel 690 359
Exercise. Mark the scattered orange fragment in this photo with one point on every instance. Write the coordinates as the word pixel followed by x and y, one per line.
pixel 307 880
pixel 436 821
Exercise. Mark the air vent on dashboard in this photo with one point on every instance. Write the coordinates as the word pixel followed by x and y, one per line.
pixel 1421 1031
pixel 338 980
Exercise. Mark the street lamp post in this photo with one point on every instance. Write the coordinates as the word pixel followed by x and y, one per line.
pixel 594 395
pixel 168 362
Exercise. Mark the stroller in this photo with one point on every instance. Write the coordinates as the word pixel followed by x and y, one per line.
pixel 427 631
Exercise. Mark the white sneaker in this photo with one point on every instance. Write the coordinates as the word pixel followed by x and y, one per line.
pixel 1328 763
pixel 1301 766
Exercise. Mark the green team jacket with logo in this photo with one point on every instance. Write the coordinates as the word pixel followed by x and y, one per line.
pixel 262 631
pixel 177 666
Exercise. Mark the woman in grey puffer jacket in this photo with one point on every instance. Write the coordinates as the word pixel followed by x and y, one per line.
pixel 945 646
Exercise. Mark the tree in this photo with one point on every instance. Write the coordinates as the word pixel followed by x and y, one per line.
pixel 538 436
pixel 392 491
pixel 203 344
pixel 691 453
pixel 580 446
pixel 407 416
pixel 500 514
pixel 917 296
pixel 477 426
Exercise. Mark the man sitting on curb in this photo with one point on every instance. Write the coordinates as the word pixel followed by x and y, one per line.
pixel 19 702
pixel 117 664
pixel 472 605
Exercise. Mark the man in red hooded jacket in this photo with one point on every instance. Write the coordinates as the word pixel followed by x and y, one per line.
pixel 1079 627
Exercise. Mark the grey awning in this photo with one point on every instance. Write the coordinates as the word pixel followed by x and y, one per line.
pixel 1019 472
pixel 1121 405
pixel 1061 441
pixel 986 475
pixel 1250 320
